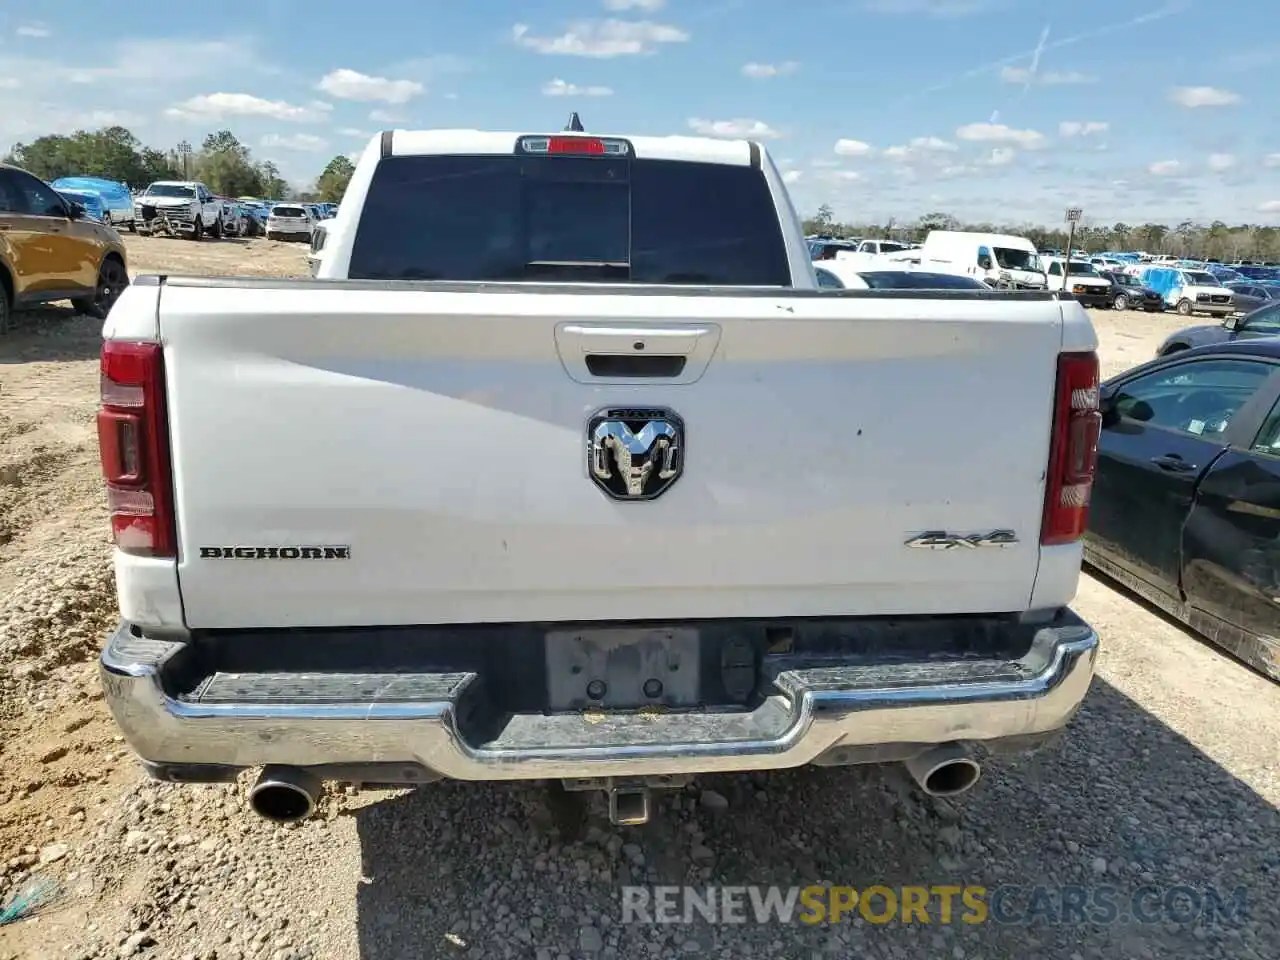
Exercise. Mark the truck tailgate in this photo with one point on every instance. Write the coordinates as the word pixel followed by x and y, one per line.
pixel 440 436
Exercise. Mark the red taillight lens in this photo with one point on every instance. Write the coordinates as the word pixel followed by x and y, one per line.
pixel 133 438
pixel 1073 453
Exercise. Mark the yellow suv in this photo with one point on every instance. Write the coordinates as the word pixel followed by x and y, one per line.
pixel 50 250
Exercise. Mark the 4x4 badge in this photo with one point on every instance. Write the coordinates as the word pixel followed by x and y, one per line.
pixel 943 540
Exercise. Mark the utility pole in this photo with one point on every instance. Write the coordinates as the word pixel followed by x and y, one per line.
pixel 1073 217
pixel 184 151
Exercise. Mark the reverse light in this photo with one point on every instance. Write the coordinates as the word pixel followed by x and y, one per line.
pixel 134 447
pixel 1073 451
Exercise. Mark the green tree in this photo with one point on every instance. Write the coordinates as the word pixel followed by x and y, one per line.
pixel 227 167
pixel 112 152
pixel 273 185
pixel 332 183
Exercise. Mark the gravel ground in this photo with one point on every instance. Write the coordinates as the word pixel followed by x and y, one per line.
pixel 1168 778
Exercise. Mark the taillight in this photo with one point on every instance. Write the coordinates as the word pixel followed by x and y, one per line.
pixel 1073 453
pixel 133 438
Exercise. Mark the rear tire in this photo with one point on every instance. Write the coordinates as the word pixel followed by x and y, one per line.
pixel 1121 302
pixel 112 279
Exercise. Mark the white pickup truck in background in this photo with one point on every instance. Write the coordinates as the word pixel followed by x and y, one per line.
pixel 565 468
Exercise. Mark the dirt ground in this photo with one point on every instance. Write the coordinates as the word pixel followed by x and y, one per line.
pixel 144 867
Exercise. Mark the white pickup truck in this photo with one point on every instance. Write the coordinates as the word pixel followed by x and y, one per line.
pixel 178 208
pixel 575 474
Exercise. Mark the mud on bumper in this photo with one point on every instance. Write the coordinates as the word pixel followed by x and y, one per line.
pixel 406 705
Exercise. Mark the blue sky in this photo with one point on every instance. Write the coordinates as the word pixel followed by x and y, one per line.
pixel 1005 110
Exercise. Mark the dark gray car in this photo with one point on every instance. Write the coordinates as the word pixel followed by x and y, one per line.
pixel 1130 293
pixel 1250 295
pixel 1263 322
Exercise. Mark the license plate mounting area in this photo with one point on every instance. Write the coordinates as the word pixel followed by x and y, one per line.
pixel 622 668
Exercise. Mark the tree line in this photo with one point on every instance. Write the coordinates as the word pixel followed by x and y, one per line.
pixel 1217 240
pixel 222 163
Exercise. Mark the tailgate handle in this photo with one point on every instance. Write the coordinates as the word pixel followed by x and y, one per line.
pixel 634 365
pixel 636 351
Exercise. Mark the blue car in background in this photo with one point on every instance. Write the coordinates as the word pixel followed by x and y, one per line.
pixel 116 197
pixel 92 203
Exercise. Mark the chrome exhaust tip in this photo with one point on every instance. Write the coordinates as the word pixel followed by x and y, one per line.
pixel 285 794
pixel 945 771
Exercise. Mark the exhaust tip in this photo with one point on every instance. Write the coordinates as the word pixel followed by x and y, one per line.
pixel 284 795
pixel 945 771
pixel 951 778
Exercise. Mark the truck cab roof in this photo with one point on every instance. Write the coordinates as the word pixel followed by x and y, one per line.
pixel 409 143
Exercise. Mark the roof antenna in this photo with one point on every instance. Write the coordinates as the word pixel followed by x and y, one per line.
pixel 574 125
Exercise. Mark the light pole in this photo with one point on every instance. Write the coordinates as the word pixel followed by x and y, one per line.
pixel 184 151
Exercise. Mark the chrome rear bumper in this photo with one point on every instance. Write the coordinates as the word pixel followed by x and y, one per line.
pixel 822 714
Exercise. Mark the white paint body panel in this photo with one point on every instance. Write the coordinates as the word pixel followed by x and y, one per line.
pixel 439 435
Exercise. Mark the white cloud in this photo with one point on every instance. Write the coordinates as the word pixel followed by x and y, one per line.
pixel 352 132
pixel 1044 78
pixel 791 176
pixel 602 38
pixel 920 147
pixel 999 133
pixel 763 71
pixel 34 31
pixel 741 128
pixel 1221 161
pixel 853 148
pixel 1082 128
pixel 217 106
pixel 1001 156
pixel 302 142
pixel 9 83
pixel 559 88
pixel 649 6
pixel 849 175
pixel 1271 206
pixel 1164 168
pixel 386 116
pixel 352 85
pixel 1192 97
pixel 1271 160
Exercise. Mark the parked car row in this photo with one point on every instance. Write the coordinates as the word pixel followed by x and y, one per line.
pixel 188 208
pixel 1121 281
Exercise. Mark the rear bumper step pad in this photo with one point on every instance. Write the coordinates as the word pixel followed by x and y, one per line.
pixel 429 720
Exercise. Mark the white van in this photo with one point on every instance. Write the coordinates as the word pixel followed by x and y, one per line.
pixel 995 258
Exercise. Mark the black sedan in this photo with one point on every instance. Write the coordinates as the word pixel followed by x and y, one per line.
pixel 1185 509
pixel 1130 293
pixel 1263 322
pixel 1250 295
